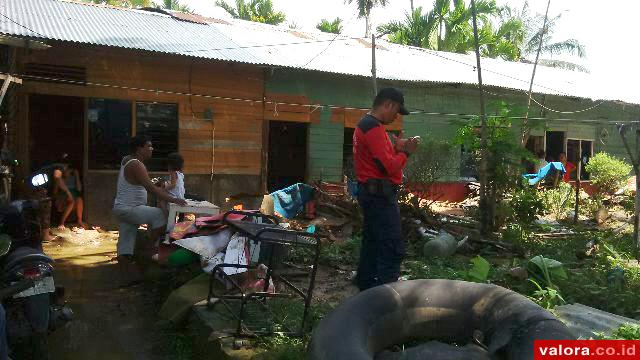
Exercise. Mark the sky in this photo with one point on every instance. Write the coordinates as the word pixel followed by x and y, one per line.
pixel 606 29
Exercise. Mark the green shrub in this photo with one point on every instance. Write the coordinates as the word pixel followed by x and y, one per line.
pixel 608 173
pixel 559 201
pixel 546 297
pixel 479 271
pixel 526 204
pixel 624 332
pixel 515 234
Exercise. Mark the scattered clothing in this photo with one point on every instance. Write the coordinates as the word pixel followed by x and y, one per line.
pixel 216 219
pixel 183 229
pixel 207 246
pixel 544 172
pixel 540 164
pixel 290 201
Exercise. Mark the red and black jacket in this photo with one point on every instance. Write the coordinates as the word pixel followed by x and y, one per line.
pixel 373 154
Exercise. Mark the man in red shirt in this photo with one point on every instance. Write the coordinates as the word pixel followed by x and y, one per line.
pixel 378 165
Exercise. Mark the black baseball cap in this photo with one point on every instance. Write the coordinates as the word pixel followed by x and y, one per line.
pixel 393 94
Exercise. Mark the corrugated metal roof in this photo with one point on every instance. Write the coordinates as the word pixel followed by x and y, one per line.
pixel 585 321
pixel 254 43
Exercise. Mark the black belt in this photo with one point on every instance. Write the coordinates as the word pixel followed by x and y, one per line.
pixel 380 187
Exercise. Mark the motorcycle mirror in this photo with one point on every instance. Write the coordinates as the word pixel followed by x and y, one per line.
pixel 5 244
pixel 39 180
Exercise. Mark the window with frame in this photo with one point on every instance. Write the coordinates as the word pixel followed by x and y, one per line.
pixel 160 123
pixel 109 132
pixel 579 152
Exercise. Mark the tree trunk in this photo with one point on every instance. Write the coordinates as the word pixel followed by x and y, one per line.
pixel 412 9
pixel 486 203
pixel 636 216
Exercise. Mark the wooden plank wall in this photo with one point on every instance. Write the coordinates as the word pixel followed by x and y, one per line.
pixel 349 118
pixel 236 129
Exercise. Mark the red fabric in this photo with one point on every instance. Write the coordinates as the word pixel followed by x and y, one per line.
pixel 372 148
pixel 211 220
pixel 182 229
pixel 568 166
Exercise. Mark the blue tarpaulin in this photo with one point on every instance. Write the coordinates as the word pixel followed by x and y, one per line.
pixel 543 172
pixel 290 201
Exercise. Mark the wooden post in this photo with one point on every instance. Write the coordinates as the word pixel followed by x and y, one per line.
pixel 486 213
pixel 578 175
pixel 636 215
pixel 634 157
pixel 8 79
pixel 373 65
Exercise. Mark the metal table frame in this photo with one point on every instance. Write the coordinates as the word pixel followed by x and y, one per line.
pixel 270 237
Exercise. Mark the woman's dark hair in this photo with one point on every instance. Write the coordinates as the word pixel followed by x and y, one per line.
pixel 64 159
pixel 138 141
pixel 175 161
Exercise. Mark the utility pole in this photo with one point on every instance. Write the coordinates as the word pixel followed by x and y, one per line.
pixel 578 176
pixel 486 209
pixel 525 123
pixel 373 65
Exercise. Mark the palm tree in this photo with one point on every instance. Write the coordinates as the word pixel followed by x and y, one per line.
pixel 364 11
pixel 448 28
pixel 504 42
pixel 334 27
pixel 534 34
pixel 417 30
pixel 254 10
pixel 173 5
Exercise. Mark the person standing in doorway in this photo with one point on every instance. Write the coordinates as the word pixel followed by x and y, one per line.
pixel 568 166
pixel 378 166
pixel 130 205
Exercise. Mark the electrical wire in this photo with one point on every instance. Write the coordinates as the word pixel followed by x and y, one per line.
pixel 566 112
pixel 272 45
pixel 331 42
pixel 427 51
pixel 415 111
pixel 23 26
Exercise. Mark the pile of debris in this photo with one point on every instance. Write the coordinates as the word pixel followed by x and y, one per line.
pixel 444 233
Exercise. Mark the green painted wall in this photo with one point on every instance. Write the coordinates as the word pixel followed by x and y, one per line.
pixel 439 103
pixel 325 142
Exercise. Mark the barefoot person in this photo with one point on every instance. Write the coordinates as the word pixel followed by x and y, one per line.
pixel 68 193
pixel 130 205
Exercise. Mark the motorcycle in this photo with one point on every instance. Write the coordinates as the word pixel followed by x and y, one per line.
pixel 38 309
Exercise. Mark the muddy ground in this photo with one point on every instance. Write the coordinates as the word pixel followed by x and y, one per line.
pixel 110 322
pixel 122 323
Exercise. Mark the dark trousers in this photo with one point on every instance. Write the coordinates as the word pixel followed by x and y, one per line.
pixel 4 349
pixel 382 246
